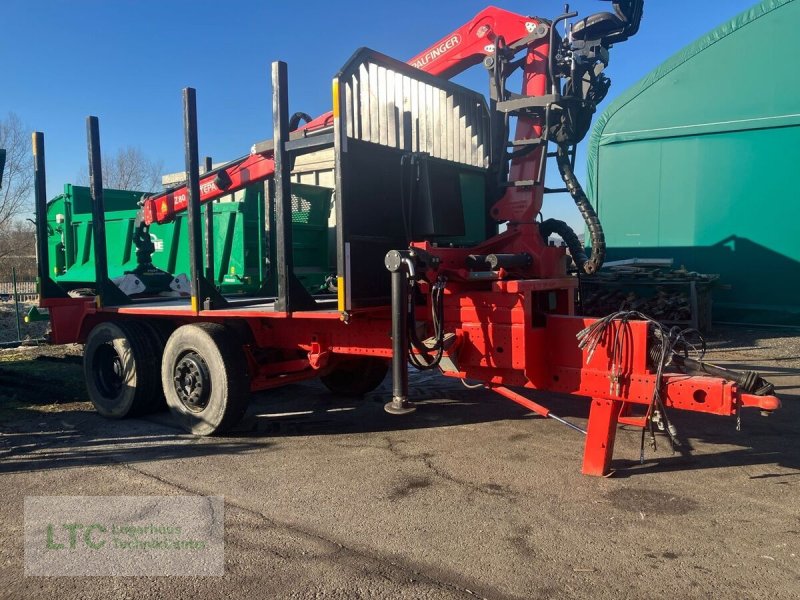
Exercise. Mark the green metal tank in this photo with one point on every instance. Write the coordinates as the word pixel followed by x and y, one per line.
pixel 240 238
pixel 697 162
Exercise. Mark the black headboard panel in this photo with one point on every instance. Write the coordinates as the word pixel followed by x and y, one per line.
pixel 391 122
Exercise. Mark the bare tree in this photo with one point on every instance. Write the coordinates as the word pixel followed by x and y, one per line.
pixel 128 169
pixel 16 236
pixel 18 249
pixel 18 177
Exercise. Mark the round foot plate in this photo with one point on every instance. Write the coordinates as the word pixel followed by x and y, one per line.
pixel 399 407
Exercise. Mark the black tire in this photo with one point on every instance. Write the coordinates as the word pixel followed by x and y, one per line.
pixel 159 331
pixel 121 370
pixel 356 376
pixel 205 379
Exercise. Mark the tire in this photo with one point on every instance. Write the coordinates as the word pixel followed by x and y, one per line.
pixel 159 331
pixel 121 370
pixel 204 377
pixel 356 376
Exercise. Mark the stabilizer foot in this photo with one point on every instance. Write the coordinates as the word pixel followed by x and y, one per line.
pixel 399 406
pixel 602 429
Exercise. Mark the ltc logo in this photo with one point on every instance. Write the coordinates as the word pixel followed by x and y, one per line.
pixel 87 535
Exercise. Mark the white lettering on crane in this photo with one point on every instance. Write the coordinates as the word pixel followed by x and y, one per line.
pixel 434 53
pixel 208 187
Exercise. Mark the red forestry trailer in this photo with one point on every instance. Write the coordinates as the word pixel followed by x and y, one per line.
pixel 425 175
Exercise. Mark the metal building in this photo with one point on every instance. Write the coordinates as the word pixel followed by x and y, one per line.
pixel 699 162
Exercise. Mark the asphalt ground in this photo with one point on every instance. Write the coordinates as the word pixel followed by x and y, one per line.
pixel 472 496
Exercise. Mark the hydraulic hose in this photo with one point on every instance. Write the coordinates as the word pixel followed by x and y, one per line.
pixel 596 235
pixel 425 361
pixel 294 122
pixel 551 226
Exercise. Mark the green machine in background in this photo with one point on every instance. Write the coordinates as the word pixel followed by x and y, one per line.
pixel 698 161
pixel 241 239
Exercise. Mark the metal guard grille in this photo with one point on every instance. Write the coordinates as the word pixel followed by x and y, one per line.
pixel 393 104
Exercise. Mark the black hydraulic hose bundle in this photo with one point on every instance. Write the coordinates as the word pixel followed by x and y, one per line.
pixel 671 340
pixel 419 353
pixel 565 232
pixel 421 359
pixel 595 262
pixel 670 346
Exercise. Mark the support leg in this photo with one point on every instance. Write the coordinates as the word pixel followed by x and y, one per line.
pixel 602 430
pixel 398 267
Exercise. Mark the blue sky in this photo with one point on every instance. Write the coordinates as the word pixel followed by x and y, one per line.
pixel 126 61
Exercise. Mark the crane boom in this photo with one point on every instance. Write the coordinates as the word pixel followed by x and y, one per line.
pixel 463 48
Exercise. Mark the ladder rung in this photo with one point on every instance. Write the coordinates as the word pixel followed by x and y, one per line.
pixel 521 183
pixel 531 142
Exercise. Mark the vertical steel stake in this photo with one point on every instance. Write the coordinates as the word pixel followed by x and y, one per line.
pixel 209 227
pixel 107 292
pixel 291 293
pixel 204 295
pixel 193 189
pixel 283 209
pixel 47 287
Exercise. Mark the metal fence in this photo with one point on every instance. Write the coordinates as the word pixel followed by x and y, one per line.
pixel 26 290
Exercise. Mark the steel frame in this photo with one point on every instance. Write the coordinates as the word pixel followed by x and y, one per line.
pixel 539 352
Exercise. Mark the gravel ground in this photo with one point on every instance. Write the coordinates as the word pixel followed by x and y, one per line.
pixel 761 346
pixel 8 323
pixel 470 497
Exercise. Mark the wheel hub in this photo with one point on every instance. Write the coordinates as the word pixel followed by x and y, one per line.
pixel 192 382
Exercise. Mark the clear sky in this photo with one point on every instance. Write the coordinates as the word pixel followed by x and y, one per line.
pixel 126 61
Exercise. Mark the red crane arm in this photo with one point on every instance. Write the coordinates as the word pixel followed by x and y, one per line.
pixel 453 54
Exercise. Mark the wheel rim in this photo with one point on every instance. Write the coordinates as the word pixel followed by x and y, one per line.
pixel 107 370
pixel 192 382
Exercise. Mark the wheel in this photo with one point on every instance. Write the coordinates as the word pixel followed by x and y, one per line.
pixel 121 369
pixel 205 379
pixel 356 376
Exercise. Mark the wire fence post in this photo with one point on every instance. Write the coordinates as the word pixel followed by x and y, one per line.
pixel 16 302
